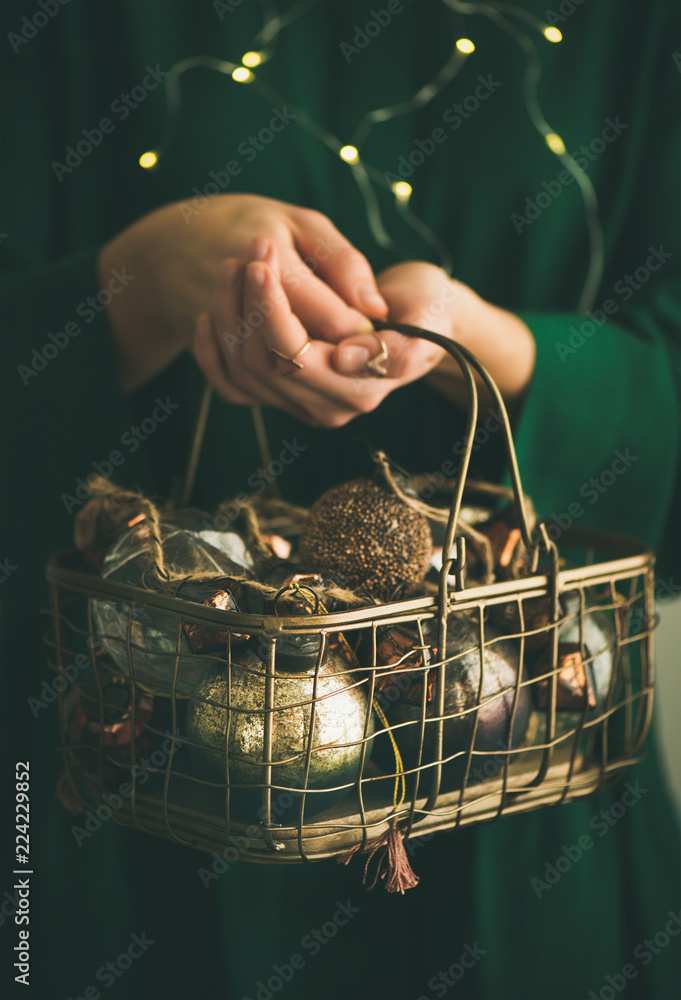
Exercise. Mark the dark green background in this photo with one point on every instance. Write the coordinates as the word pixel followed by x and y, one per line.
pixel 618 391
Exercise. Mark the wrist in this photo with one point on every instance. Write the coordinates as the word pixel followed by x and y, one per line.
pixel 501 341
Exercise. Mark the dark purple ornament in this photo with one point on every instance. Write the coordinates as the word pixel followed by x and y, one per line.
pixel 495 697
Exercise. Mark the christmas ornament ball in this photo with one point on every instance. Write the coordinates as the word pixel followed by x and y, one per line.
pixel 230 712
pixel 595 640
pixel 367 536
pixel 463 691
pixel 190 550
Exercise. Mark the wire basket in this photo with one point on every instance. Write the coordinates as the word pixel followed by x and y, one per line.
pixel 303 736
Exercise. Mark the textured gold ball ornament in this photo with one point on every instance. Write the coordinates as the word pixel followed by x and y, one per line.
pixel 367 536
pixel 229 714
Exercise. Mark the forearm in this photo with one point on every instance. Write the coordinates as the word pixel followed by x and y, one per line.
pixel 501 341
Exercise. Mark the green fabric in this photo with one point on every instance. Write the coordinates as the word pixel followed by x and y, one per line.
pixel 618 391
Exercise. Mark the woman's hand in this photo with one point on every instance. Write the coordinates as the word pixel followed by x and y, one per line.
pixel 242 348
pixel 423 295
pixel 175 258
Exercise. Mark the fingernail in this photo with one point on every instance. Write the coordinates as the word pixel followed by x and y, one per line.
pixel 256 274
pixel 203 326
pixel 261 248
pixel 228 274
pixel 370 298
pixel 351 360
pixel 364 325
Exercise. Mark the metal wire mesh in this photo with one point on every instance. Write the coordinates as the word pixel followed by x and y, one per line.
pixel 585 706
pixel 294 737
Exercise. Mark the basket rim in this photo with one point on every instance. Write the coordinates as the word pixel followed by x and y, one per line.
pixel 66 568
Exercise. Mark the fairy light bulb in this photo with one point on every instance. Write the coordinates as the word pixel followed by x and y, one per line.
pixel 242 75
pixel 465 46
pixel 252 59
pixel 349 153
pixel 148 159
pixel 402 190
pixel 555 143
pixel 553 34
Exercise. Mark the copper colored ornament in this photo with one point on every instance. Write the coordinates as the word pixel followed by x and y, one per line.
pixel 399 647
pixel 368 537
pixel 495 699
pixel 584 667
pixel 574 689
pixel 99 722
pixel 220 594
pixel 536 619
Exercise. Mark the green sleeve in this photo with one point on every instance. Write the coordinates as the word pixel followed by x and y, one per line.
pixel 66 410
pixel 598 437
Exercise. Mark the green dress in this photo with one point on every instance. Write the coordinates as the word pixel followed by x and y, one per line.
pixel 492 192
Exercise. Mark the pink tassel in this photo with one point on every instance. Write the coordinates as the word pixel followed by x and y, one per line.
pixel 393 865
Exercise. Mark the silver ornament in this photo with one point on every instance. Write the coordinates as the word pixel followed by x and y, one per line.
pixel 189 550
pixel 229 713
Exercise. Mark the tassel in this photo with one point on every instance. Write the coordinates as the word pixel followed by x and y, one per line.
pixel 393 865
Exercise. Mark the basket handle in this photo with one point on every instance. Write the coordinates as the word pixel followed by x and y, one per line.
pixel 468 363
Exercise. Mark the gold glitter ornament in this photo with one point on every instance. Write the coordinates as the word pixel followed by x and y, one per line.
pixel 366 536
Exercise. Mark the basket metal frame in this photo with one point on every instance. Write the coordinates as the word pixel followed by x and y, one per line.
pixel 551 771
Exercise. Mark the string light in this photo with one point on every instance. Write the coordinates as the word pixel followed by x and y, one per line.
pixel 402 190
pixel 242 75
pixel 555 143
pixel 349 153
pixel 494 12
pixel 465 45
pixel 363 173
pixel 148 159
pixel 553 34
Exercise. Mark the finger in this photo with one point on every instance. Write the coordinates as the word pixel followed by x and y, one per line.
pixel 226 321
pixel 314 388
pixel 323 313
pixel 265 249
pixel 209 359
pixel 338 263
pixel 389 353
pixel 282 331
